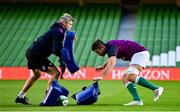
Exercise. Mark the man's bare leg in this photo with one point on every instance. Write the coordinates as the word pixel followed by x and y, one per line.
pixel 21 98
pixel 54 72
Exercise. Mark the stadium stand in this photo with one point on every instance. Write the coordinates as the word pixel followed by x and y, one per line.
pixel 156 29
pixel 178 40
pixel 22 23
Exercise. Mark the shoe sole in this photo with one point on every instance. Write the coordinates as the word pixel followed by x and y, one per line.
pixel 134 104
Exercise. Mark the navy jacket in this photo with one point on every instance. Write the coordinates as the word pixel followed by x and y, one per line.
pixel 49 43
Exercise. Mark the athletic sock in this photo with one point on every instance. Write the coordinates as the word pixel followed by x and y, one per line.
pixel 145 83
pixel 21 95
pixel 132 89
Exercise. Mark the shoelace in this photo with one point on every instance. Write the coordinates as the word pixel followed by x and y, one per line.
pixel 156 93
pixel 26 99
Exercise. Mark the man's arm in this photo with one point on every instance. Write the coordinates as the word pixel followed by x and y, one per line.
pixel 56 42
pixel 62 68
pixel 99 68
pixel 108 66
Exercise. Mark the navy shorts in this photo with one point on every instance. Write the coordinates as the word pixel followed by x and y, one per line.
pixel 38 62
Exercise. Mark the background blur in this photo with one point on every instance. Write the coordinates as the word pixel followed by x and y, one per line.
pixel 152 23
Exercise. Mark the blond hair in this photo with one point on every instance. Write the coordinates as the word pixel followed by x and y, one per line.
pixel 66 17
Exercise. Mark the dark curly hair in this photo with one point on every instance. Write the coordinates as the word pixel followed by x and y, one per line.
pixel 97 44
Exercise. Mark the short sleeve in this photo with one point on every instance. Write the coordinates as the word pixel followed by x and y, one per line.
pixel 112 51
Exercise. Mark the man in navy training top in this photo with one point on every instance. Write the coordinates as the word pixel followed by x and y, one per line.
pixel 138 57
pixel 37 55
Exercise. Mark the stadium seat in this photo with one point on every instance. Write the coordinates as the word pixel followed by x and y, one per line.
pixel 157 29
pixel 158 33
